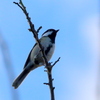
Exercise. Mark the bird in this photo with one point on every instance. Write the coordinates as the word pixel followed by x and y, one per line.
pixel 35 57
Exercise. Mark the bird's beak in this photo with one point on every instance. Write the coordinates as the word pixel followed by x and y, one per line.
pixel 57 30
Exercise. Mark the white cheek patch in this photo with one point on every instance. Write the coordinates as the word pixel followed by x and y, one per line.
pixel 47 33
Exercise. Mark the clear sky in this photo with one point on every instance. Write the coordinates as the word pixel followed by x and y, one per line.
pixel 77 43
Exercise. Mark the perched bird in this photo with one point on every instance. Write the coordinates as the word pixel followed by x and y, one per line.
pixel 35 58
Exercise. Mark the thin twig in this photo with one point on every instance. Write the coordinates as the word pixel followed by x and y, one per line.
pixel 56 61
pixel 50 83
pixel 39 29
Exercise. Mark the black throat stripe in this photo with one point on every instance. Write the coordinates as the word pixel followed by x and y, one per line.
pixel 48 49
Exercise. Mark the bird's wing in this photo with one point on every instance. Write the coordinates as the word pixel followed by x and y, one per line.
pixel 28 58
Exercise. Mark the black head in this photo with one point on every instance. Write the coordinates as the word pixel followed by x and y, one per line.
pixel 51 33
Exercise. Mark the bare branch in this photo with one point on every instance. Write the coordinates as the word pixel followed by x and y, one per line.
pixel 35 34
pixel 39 29
pixel 32 29
pixel 46 83
pixel 56 61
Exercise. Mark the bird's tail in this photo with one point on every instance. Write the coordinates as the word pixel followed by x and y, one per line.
pixel 20 78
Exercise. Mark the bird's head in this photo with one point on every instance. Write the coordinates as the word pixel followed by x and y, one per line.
pixel 51 33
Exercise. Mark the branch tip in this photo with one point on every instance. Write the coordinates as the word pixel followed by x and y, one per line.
pixel 53 79
pixel 39 29
pixel 56 61
pixel 45 71
pixel 46 83
pixel 30 30
pixel 53 88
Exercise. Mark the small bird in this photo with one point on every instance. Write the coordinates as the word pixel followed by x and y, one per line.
pixel 35 58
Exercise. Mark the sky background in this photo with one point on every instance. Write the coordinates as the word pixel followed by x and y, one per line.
pixel 77 43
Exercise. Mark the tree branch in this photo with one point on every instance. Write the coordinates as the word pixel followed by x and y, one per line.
pixel 32 28
pixel 50 83
pixel 35 34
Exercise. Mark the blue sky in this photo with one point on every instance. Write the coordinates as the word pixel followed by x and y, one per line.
pixel 77 44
